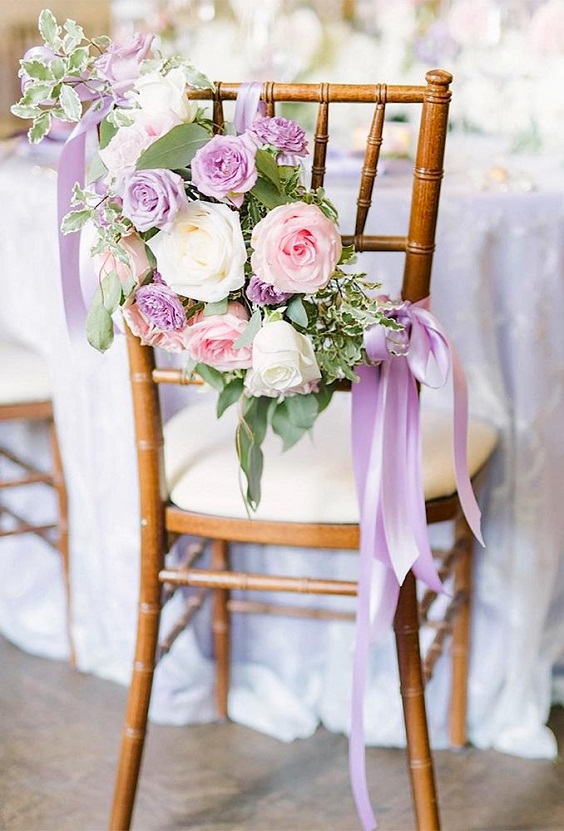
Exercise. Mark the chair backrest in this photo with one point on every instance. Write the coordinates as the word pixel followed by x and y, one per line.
pixel 417 244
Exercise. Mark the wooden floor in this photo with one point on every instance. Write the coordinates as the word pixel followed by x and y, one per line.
pixel 59 736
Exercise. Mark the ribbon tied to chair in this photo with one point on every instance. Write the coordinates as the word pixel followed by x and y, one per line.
pixel 386 442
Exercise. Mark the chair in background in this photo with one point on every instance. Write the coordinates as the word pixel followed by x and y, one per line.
pixel 192 490
pixel 25 396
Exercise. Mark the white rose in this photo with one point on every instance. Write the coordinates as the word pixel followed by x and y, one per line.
pixel 158 93
pixel 203 255
pixel 284 362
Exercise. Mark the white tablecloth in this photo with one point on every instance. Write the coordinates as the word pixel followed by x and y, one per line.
pixel 498 290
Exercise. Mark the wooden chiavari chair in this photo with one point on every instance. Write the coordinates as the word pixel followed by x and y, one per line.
pixel 25 396
pixel 168 483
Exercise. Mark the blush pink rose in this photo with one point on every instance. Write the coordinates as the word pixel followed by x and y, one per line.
pixel 171 340
pixel 121 154
pixel 210 340
pixel 134 271
pixel 546 29
pixel 296 248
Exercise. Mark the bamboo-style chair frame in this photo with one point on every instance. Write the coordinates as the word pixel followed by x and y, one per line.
pixel 162 521
pixel 54 533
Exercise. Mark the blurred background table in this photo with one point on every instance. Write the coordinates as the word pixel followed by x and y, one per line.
pixel 500 295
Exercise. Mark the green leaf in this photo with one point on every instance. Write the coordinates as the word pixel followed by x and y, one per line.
pixel 37 93
pixel 195 78
pixel 249 436
pixel 210 375
pixel 96 169
pixel 48 28
pixel 99 326
pixel 74 36
pixel 296 312
pixel 302 410
pixel 284 427
pixel 111 291
pixel 79 60
pixel 268 194
pixel 36 70
pixel 103 41
pixel 39 128
pixel 75 220
pixel 58 67
pixel 175 149
pixel 248 334
pixel 70 102
pixel 229 395
pixel 323 396
pixel 217 308
pixel 107 132
pixel 267 167
pixel 23 111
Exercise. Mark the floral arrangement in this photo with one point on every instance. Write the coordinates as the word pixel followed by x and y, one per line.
pixel 209 243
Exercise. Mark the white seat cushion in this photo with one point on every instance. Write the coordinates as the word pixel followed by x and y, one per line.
pixel 311 482
pixel 23 375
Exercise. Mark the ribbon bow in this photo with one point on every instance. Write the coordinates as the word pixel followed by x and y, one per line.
pixel 386 445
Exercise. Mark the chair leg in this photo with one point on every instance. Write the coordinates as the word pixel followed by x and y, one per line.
pixel 135 728
pixel 461 636
pixel 62 527
pixel 221 628
pixel 406 626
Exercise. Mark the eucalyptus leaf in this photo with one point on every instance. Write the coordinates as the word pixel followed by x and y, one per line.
pixel 111 291
pixel 295 310
pixel 99 326
pixel 229 395
pixel 248 335
pixel 217 308
pixel 284 427
pixel 210 375
pixel 302 410
pixel 175 149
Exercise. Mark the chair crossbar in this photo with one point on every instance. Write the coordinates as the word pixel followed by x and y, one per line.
pixel 257 582
pixel 255 607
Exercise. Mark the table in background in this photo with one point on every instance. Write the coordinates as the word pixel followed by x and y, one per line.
pixel 499 292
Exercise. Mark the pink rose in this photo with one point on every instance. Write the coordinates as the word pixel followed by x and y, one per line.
pixel 171 340
pixel 138 266
pixel 546 29
pixel 296 248
pixel 121 153
pixel 210 339
pixel 120 64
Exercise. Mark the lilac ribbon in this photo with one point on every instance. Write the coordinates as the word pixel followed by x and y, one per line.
pixel 386 445
pixel 247 106
pixel 71 171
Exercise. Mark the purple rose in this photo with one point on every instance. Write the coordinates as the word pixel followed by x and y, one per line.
pixel 152 198
pixel 263 294
pixel 120 63
pixel 225 166
pixel 281 133
pixel 161 306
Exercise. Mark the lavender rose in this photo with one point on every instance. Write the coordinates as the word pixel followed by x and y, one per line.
pixel 263 294
pixel 281 133
pixel 120 64
pixel 152 198
pixel 225 167
pixel 161 306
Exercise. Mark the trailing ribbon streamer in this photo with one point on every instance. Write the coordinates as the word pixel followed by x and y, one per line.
pixel 388 471
pixel 247 105
pixel 71 171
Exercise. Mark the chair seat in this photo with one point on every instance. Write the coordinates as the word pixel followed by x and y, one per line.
pixel 23 375
pixel 311 482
